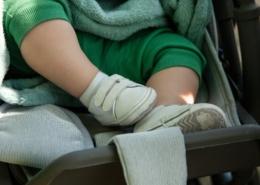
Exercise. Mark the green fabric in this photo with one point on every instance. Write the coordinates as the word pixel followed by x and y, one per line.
pixel 143 54
pixel 137 57
pixel 32 12
pixel 118 19
pixel 23 15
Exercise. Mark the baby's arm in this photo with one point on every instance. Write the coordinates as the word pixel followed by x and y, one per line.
pixel 52 49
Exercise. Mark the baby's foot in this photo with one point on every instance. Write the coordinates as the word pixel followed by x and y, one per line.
pixel 118 101
pixel 190 118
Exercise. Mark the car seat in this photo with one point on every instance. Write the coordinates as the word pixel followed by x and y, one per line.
pixel 208 152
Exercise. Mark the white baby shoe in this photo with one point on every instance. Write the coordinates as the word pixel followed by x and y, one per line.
pixel 117 101
pixel 190 118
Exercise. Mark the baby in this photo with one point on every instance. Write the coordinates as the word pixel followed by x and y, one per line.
pixel 150 79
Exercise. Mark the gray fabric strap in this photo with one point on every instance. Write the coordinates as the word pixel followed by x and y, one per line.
pixel 152 158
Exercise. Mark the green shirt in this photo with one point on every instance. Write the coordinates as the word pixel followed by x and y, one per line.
pixel 136 58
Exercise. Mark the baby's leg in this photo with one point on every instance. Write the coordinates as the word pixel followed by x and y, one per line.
pixel 176 85
pixel 176 73
pixel 176 88
pixel 52 50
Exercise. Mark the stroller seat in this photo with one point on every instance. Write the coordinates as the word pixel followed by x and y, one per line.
pixel 208 152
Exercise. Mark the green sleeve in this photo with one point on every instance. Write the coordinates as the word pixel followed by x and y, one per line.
pixel 23 15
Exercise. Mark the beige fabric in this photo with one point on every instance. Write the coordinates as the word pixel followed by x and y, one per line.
pixel 153 158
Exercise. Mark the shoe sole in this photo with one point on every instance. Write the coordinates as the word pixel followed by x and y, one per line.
pixel 199 120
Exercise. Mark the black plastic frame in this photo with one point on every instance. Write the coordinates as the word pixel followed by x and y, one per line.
pixel 224 10
pixel 5 178
pixel 247 15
